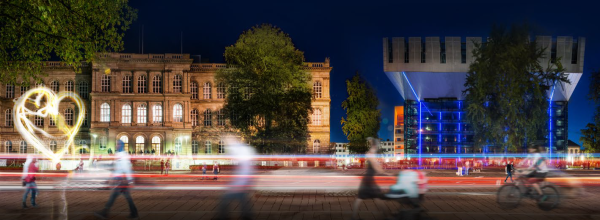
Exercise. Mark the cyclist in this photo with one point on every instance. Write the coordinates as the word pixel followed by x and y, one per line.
pixel 540 170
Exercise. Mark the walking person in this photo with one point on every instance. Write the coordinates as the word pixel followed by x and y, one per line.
pixel 80 167
pixel 509 169
pixel 167 166
pixel 162 166
pixel 58 166
pixel 123 180
pixel 215 169
pixel 368 189
pixel 204 170
pixel 30 169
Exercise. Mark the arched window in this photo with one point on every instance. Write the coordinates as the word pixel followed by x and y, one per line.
pixel 194 116
pixel 221 147
pixel 142 113
pixel 316 117
pixel 69 116
pixel 83 90
pixel 317 90
pixel 23 147
pixel 127 88
pixel 39 84
pixel 84 147
pixel 24 89
pixel 69 86
pixel 207 118
pixel 139 144
pixel 177 84
pixel 316 146
pixel 104 112
pixel 177 145
pixel 194 90
pixel 157 114
pixel 221 118
pixel 125 141
pixel 53 146
pixel 54 85
pixel 207 147
pixel 10 91
pixel 8 117
pixel 206 91
pixel 8 147
pixel 221 91
pixel 105 83
pixel 39 121
pixel 157 84
pixel 177 113
pixel 156 144
pixel 126 114
pixel 194 147
pixel 142 82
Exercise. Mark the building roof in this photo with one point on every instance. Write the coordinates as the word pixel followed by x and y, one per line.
pixel 572 144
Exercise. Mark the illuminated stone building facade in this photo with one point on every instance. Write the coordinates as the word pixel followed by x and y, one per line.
pixel 152 102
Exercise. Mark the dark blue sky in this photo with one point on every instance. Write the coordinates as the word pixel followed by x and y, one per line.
pixel 351 35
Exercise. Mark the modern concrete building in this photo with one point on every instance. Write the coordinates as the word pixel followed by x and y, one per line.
pixel 154 103
pixel 429 73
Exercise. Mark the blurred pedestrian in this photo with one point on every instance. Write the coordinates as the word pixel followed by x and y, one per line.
pixel 30 169
pixel 204 170
pixel 58 166
pixel 368 189
pixel 123 180
pixel 80 167
pixel 215 169
pixel 162 166
pixel 509 169
pixel 241 183
pixel 167 166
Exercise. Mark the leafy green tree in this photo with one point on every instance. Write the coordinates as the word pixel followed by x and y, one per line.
pixel 506 89
pixel 32 31
pixel 591 137
pixel 362 116
pixel 268 91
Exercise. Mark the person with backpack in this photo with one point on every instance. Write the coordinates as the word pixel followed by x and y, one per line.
pixel 30 169
pixel 509 169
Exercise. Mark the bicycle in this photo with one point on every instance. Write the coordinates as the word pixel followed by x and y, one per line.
pixel 510 195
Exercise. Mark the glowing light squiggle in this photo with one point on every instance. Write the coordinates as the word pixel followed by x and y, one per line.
pixel 47 104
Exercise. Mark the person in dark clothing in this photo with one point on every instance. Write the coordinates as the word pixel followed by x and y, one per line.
pixel 162 166
pixel 509 169
pixel 368 188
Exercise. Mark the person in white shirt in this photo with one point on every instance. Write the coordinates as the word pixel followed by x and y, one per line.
pixel 540 170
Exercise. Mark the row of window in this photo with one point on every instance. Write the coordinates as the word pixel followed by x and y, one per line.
pixel 8 146
pixel 54 86
pixel 39 121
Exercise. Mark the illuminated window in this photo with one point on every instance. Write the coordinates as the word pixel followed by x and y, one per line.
pixel 194 147
pixel 104 112
pixel 54 85
pixel 317 90
pixel 23 147
pixel 221 118
pixel 142 84
pixel 127 88
pixel 156 144
pixel 207 147
pixel 10 91
pixel 206 91
pixel 125 141
pixel 105 83
pixel 69 116
pixel 194 116
pixel 139 144
pixel 177 145
pixel 83 90
pixel 207 118
pixel 157 84
pixel 39 121
pixel 69 86
pixel 316 117
pixel 221 91
pixel 8 146
pixel 194 90
pixel 177 113
pixel 157 114
pixel 142 114
pixel 126 114
pixel 221 147
pixel 177 84
pixel 8 117
pixel 53 146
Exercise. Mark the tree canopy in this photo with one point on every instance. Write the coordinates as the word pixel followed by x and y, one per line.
pixel 32 31
pixel 268 92
pixel 507 89
pixel 362 116
pixel 591 133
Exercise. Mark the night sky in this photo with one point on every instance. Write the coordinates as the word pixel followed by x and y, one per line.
pixel 351 35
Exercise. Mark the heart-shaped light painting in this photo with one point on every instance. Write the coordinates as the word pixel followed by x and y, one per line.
pixel 46 104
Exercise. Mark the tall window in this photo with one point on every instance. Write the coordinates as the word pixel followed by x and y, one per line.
pixel 83 90
pixel 157 84
pixel 23 147
pixel 8 118
pixel 317 90
pixel 177 113
pixel 221 91
pixel 105 83
pixel 104 112
pixel 54 85
pixel 194 147
pixel 206 91
pixel 156 144
pixel 39 121
pixel 177 145
pixel 24 89
pixel 69 116
pixel 52 122
pixel 127 88
pixel 69 86
pixel 126 114
pixel 83 146
pixel 177 84
pixel 316 146
pixel 221 118
pixel 157 114
pixel 221 147
pixel 10 91
pixel 53 146
pixel 194 116
pixel 8 146
pixel 125 141
pixel 139 144
pixel 142 84
pixel 194 90
pixel 207 118
pixel 85 119
pixel 142 114
pixel 103 142
pixel 316 117
pixel 207 147
pixel 248 92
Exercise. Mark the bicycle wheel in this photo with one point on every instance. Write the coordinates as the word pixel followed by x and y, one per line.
pixel 551 198
pixel 508 196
